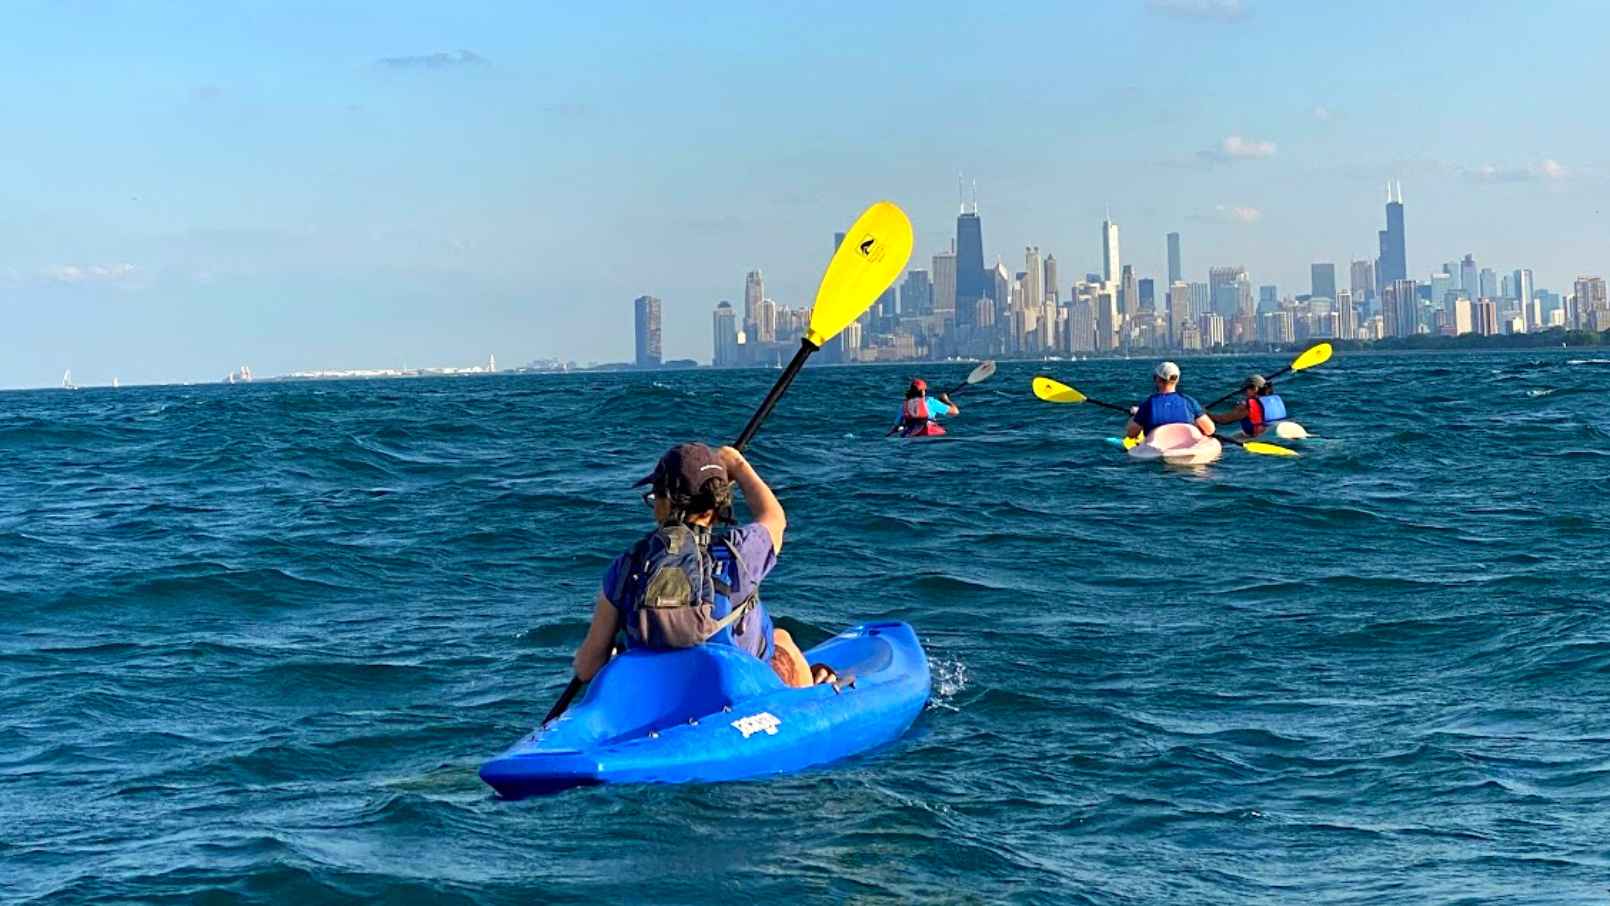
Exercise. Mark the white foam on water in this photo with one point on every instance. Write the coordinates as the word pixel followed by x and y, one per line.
pixel 949 679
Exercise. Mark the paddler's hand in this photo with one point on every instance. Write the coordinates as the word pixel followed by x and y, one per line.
pixel 944 398
pixel 1134 410
pixel 732 460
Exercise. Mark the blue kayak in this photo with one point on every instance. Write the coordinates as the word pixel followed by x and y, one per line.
pixel 716 713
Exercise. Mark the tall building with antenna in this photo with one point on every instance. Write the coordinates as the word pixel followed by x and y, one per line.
pixel 1392 265
pixel 972 281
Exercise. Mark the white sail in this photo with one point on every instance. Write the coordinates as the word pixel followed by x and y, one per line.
pixel 67 380
pixel 115 384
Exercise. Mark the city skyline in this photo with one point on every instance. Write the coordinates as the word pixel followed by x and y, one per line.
pixel 322 188
pixel 1110 310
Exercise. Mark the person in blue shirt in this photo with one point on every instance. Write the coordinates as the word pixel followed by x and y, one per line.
pixel 919 412
pixel 692 485
pixel 1167 406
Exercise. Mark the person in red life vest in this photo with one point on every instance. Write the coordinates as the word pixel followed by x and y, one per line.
pixel 1261 408
pixel 695 580
pixel 919 413
pixel 1167 406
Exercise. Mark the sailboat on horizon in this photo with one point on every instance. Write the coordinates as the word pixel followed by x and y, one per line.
pixel 67 380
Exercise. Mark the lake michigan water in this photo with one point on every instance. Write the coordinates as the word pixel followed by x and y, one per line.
pixel 255 641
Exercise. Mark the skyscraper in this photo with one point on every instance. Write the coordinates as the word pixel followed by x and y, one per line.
pixel 1467 278
pixel 1362 280
pixel 1522 281
pixel 945 285
pixel 1051 290
pixel 972 281
pixel 1109 251
pixel 1394 257
pixel 1128 301
pixel 916 295
pixel 647 311
pixel 1174 259
pixel 725 325
pixel 1148 294
pixel 754 291
pixel 1400 308
pixel 1201 299
pixel 1222 286
pixel 1179 311
pixel 1588 294
pixel 1322 280
pixel 1487 284
pixel 1268 298
pixel 1107 318
pixel 1346 315
pixel 1033 277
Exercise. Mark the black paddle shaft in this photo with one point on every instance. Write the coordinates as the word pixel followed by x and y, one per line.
pixel 1239 389
pixel 564 699
pixel 806 347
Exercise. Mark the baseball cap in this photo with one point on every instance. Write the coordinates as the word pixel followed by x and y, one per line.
pixel 1255 381
pixel 919 384
pixel 685 468
pixel 1167 371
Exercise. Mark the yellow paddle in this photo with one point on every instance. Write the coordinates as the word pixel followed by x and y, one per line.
pixel 1317 354
pixel 874 251
pixel 1053 391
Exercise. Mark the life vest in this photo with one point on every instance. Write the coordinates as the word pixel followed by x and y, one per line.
pixel 914 416
pixel 1274 408
pixel 679 591
pixel 1261 412
pixel 1164 409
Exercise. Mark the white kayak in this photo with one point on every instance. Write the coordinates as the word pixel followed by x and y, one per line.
pixel 1179 444
pixel 1284 430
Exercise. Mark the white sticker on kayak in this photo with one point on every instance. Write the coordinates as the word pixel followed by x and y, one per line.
pixel 755 723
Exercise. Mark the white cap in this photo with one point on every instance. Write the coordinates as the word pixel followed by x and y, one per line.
pixel 1167 371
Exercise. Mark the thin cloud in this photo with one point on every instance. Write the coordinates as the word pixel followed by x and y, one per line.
pixel 90 273
pixel 1223 12
pixel 1322 113
pixel 440 60
pixel 1548 170
pixel 1235 147
pixel 1231 214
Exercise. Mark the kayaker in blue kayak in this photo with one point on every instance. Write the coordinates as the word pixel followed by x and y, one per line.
pixel 692 581
pixel 1261 408
pixel 1167 406
pixel 919 414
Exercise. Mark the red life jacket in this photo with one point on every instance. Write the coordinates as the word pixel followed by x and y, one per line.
pixel 1253 423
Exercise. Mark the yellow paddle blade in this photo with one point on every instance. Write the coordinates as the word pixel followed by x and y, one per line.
pixel 1257 446
pixel 1131 443
pixel 1056 391
pixel 1313 355
pixel 874 252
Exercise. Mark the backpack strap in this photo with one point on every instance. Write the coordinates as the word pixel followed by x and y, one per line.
pixel 740 608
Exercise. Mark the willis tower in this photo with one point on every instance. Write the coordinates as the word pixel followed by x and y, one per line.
pixel 1393 263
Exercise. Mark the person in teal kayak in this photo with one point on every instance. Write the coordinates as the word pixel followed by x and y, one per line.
pixel 1167 406
pixel 920 413
pixel 695 579
pixel 1261 408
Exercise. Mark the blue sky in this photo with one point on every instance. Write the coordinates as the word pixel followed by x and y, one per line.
pixel 189 187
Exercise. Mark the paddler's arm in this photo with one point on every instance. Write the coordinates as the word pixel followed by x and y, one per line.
pixel 1133 429
pixel 763 505
pixel 594 651
pixel 945 398
pixel 1231 417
